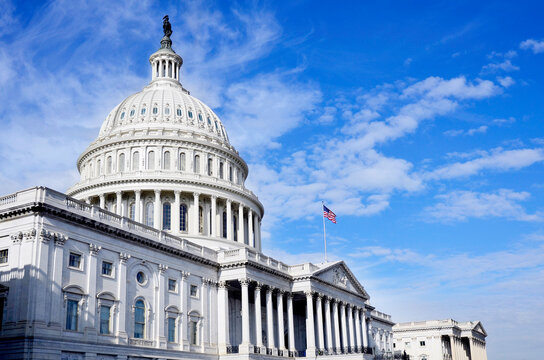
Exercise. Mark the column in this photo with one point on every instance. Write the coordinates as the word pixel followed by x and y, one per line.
pixel 251 238
pixel 269 319
pixel 222 320
pixel 157 210
pixel 281 339
pixel 336 326
pixel 350 327
pixel 118 199
pixel 364 328
pixel 328 324
pixel 244 347
pixel 258 319
pixel 90 324
pixel 310 329
pixel 57 317
pixel 290 322
pixel 102 201
pixel 229 219
pixel 184 294
pixel 122 296
pixel 344 329
pixel 161 323
pixel 258 233
pixel 196 217
pixel 205 315
pixel 175 211
pixel 319 311
pixel 137 206
pixel 213 222
pixel 357 328
pixel 241 224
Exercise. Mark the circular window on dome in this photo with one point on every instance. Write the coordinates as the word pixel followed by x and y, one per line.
pixel 141 278
pixel 167 111
pixel 179 112
pixel 190 113
pixel 122 115
pixel 132 112
pixel 155 110
pixel 142 112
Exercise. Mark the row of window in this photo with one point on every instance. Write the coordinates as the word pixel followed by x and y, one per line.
pixel 166 165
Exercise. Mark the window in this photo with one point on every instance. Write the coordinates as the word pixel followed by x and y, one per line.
pixel 171 329
pixel 105 312
pixel 155 110
pixel 74 261
pixel 196 165
pixel 71 315
pixel 234 227
pixel 140 277
pixel 194 291
pixel 151 160
pixel 190 113
pixel 172 285
pixel 422 343
pixel 200 220
pixel 193 332
pixel 216 127
pixel 121 163
pixel 108 165
pixel 167 111
pixel 136 161
pixel 210 166
pixel 4 256
pixel 182 161
pixel 230 173
pixel 149 214
pixel 107 268
pixel 139 319
pixel 221 170
pixel 132 112
pixel 200 117
pixel 98 168
pixel 132 211
pixel 178 112
pixel 166 160
pixel 209 121
pixel 183 217
pixel 166 216
pixel 122 115
pixel 142 112
pixel 224 224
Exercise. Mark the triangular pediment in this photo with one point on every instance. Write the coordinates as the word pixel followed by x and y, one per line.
pixel 338 274
pixel 479 328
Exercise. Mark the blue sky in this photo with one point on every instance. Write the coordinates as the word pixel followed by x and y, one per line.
pixel 418 123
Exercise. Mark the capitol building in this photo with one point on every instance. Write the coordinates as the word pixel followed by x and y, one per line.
pixel 156 252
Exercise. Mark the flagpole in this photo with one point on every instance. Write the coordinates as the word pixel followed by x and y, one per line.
pixel 324 232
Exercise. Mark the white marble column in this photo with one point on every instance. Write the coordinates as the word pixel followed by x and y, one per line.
pixel 184 295
pixel 102 201
pixel 90 318
pixel 122 296
pixel 213 220
pixel 229 219
pixel 336 326
pixel 281 339
pixel 319 311
pixel 350 327
pixel 118 199
pixel 241 239
pixel 251 238
pixel 357 328
pixel 196 217
pixel 258 318
pixel 290 322
pixel 222 320
pixel 269 319
pixel 157 210
pixel 244 346
pixel 57 317
pixel 258 233
pixel 328 329
pixel 137 206
pixel 204 299
pixel 175 211
pixel 344 328
pixel 364 328
pixel 310 328
pixel 161 315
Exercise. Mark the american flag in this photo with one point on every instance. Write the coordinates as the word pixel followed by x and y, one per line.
pixel 327 213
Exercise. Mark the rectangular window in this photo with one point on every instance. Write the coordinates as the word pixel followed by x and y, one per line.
pixel 171 330
pixel 193 332
pixel 172 285
pixel 75 261
pixel 194 290
pixel 71 315
pixel 107 268
pixel 105 319
pixel 422 343
pixel 4 256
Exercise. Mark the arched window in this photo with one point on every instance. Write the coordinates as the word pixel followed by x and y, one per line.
pixel 194 334
pixel 142 112
pixel 209 121
pixel 224 224
pixel 183 217
pixel 136 161
pixel 108 165
pixel 132 112
pixel 200 117
pixel 166 160
pixel 98 167
pixel 151 160
pixel 234 227
pixel 190 114
pixel 178 112
pixel 210 166
pixel 167 111
pixel 155 110
pixel 166 216
pixel 90 172
pixel 200 220
pixel 122 115
pixel 196 165
pixel 121 163
pixel 132 211
pixel 149 214
pixel 221 170
pixel 230 173
pixel 182 161
pixel 139 319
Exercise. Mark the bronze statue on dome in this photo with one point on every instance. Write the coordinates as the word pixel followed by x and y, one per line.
pixel 166 27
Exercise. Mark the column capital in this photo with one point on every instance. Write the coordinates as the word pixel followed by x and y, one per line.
pixel 138 192
pixel 281 292
pixel 327 299
pixel 289 295
pixel 222 284
pixel 229 201
pixel 162 268
pixel 319 296
pixel 184 274
pixel 157 192
pixel 118 193
pixel 244 282
pixel 177 192
pixel 123 257
pixel 213 197
pixel 94 249
pixel 258 285
pixel 309 293
pixel 196 194
pixel 269 289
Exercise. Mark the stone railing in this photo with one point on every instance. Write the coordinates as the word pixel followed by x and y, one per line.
pixel 380 315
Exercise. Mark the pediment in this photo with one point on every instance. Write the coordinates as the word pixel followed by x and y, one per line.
pixel 338 274
pixel 479 328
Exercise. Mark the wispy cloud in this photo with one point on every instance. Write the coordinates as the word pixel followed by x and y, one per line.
pixel 470 132
pixel 535 46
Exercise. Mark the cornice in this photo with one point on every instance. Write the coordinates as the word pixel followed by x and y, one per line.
pixel 316 279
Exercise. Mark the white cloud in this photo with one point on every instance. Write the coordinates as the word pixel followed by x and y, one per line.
pixel 534 45
pixel 462 205
pixel 459 88
pixel 470 132
pixel 506 65
pixel 506 81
